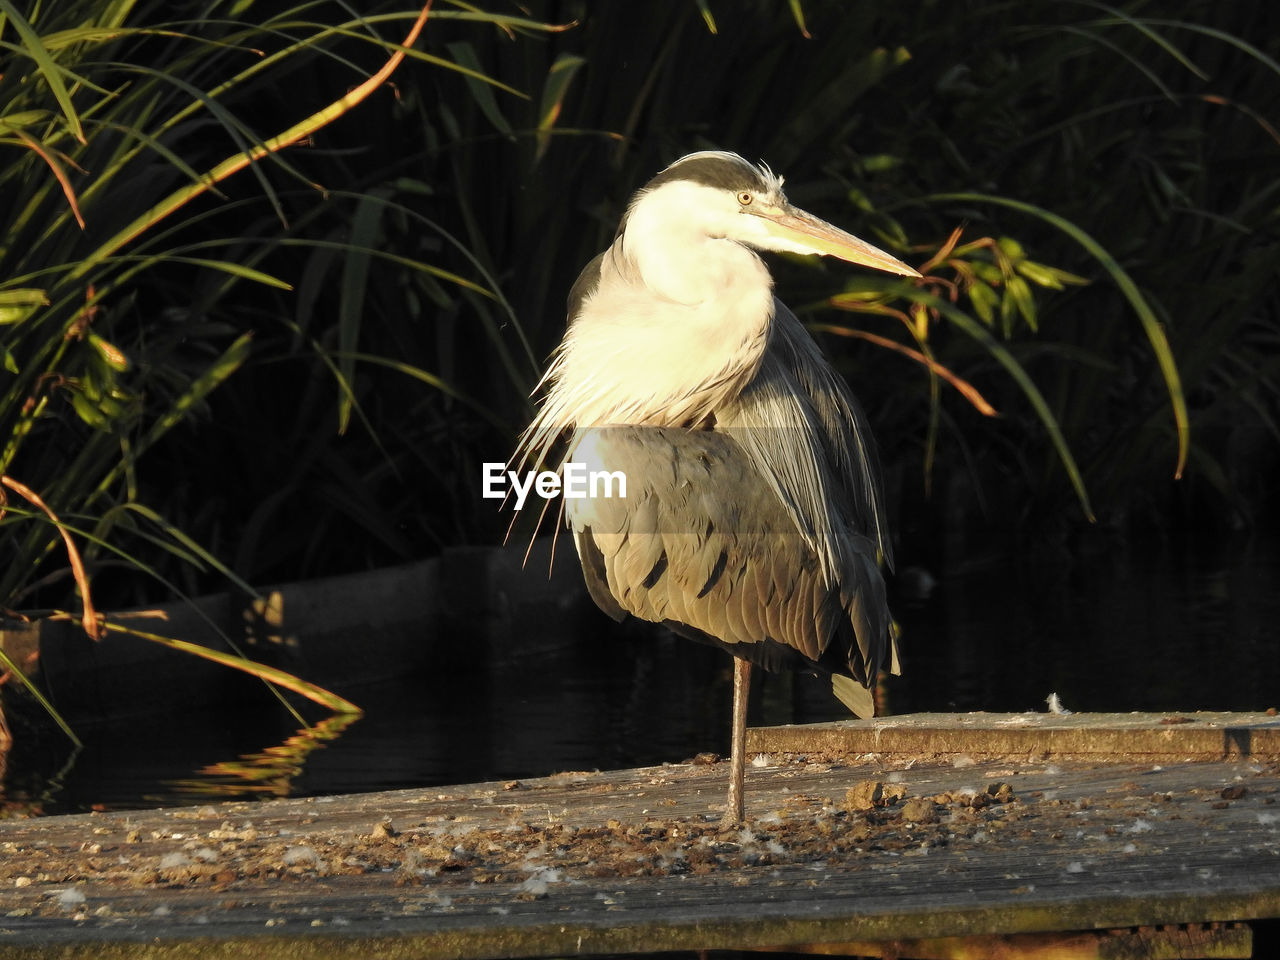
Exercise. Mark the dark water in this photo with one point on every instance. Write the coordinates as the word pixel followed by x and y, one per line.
pixel 1119 631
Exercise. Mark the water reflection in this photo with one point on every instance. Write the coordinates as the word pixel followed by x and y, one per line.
pixel 1116 632
pixel 267 773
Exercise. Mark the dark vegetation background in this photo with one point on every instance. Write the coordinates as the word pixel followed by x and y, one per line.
pixel 259 432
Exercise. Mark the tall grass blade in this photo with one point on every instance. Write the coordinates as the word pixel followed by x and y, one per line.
pixel 352 294
pixel 16 672
pixel 271 675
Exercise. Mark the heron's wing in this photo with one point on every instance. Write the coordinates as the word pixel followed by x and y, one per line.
pixel 702 544
pixel 848 436
pixel 798 387
pixel 805 436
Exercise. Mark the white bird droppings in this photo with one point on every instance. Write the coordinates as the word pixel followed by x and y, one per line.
pixel 298 855
pixel 70 898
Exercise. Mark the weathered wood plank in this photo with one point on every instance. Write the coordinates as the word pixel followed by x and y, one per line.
pixel 1092 736
pixel 1214 941
pixel 636 861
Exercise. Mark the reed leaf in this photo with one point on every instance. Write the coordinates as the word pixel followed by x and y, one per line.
pixel 14 671
pixel 268 674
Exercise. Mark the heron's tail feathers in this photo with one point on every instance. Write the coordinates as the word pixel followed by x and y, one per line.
pixel 853 695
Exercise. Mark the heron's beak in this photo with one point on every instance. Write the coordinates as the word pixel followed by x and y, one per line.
pixel 794 226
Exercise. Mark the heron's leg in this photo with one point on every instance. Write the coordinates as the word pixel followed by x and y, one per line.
pixel 738 760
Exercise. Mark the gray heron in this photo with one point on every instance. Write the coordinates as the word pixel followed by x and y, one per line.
pixel 753 517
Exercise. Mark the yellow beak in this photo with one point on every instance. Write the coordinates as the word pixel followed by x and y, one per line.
pixel 795 227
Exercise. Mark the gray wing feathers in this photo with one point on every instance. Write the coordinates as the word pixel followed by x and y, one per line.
pixel 843 428
pixel 722 546
pixel 702 540
pixel 854 695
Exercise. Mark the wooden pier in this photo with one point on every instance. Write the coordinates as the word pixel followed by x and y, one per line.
pixel 974 835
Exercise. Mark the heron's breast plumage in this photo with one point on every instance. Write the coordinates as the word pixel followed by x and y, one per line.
pixel 641 352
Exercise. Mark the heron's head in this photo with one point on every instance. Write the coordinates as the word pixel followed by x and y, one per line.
pixel 721 196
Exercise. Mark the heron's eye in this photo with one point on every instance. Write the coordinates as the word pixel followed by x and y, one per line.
pixel 745 198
